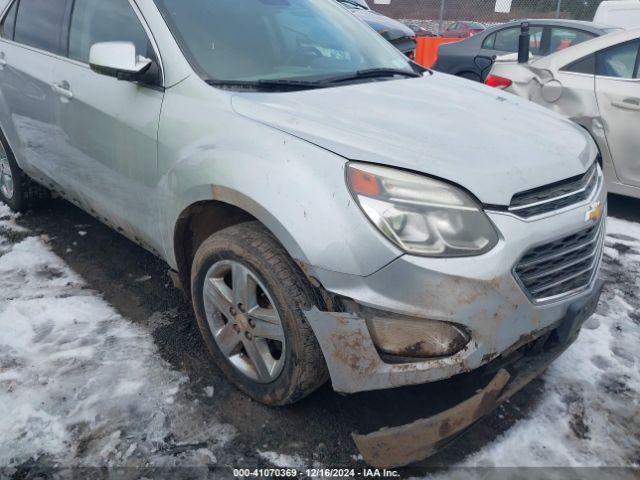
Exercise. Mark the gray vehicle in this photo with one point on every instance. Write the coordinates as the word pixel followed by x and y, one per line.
pixel 327 207
pixel 470 58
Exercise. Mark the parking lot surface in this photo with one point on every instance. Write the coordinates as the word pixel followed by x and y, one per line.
pixel 101 365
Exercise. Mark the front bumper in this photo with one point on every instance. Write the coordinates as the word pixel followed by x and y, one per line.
pixel 481 294
pixel 399 446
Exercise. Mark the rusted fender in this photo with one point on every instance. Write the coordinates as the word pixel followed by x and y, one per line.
pixel 399 446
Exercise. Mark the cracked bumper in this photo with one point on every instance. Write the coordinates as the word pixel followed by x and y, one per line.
pixel 480 294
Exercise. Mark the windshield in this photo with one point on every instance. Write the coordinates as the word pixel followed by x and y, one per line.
pixel 254 40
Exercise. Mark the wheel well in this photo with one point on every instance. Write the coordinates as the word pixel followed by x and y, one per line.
pixel 197 223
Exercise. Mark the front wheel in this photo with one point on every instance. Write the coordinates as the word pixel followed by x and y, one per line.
pixel 249 298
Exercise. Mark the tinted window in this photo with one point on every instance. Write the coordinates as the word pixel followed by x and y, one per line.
pixel 39 24
pixel 489 41
pixel 619 61
pixel 9 22
pixel 95 21
pixel 507 40
pixel 562 38
pixel 584 65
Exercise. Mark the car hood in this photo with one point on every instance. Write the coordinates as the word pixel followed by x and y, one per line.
pixel 393 28
pixel 492 143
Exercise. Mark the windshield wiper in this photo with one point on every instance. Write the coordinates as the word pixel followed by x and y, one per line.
pixel 278 84
pixel 372 73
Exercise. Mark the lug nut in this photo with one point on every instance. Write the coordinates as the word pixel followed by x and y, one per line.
pixel 252 323
pixel 241 307
pixel 232 311
pixel 236 328
pixel 248 335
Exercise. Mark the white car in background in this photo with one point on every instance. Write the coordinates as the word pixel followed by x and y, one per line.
pixel 597 85
pixel 619 13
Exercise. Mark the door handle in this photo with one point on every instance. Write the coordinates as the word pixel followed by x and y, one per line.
pixel 63 89
pixel 632 104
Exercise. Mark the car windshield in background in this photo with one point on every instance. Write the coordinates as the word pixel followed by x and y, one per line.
pixel 278 40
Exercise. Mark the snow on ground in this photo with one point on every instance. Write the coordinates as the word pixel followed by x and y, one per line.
pixel 589 414
pixel 80 385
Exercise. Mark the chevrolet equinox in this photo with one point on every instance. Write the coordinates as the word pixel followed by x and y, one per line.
pixel 333 210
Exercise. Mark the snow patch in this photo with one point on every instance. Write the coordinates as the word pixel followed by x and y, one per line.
pixel 282 460
pixel 80 385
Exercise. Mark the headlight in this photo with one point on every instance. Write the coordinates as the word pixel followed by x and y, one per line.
pixel 421 215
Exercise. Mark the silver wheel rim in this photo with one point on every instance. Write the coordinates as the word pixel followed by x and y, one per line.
pixel 244 322
pixel 6 177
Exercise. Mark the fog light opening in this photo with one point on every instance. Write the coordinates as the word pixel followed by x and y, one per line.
pixel 417 338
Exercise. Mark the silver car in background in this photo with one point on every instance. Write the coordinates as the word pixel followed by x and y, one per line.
pixel 597 85
pixel 332 209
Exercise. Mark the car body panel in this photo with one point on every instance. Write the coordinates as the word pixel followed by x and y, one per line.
pixel 28 100
pixel 587 100
pixel 426 142
pixel 619 105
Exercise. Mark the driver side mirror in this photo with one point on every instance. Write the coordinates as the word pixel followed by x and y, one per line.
pixel 119 60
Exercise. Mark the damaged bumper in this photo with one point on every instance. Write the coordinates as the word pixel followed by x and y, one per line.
pixel 481 297
pixel 399 446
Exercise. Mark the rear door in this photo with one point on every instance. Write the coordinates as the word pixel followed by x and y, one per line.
pixel 109 127
pixel 31 44
pixel 618 94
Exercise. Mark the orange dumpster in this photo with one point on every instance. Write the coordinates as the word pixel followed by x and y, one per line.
pixel 427 49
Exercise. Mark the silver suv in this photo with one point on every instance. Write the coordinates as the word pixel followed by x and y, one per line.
pixel 333 210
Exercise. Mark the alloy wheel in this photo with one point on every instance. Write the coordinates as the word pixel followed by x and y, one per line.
pixel 244 321
pixel 6 177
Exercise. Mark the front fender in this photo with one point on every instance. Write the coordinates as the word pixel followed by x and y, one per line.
pixel 296 189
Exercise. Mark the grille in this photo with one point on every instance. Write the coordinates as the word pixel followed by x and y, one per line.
pixel 564 267
pixel 555 196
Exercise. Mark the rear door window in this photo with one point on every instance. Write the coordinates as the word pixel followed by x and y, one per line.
pixel 39 24
pixel 9 21
pixel 507 40
pixel 95 21
pixel 562 38
pixel 620 61
pixel 585 65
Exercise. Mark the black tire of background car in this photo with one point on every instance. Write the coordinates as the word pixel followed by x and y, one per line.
pixel 255 247
pixel 26 192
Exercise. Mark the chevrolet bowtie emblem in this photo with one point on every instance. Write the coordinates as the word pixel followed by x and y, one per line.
pixel 594 214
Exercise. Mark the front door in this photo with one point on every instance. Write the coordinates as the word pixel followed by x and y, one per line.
pixel 110 126
pixel 618 94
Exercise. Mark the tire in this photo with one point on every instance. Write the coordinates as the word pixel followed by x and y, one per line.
pixel 300 368
pixel 17 190
pixel 470 76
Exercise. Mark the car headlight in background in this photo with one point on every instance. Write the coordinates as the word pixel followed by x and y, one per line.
pixel 421 215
